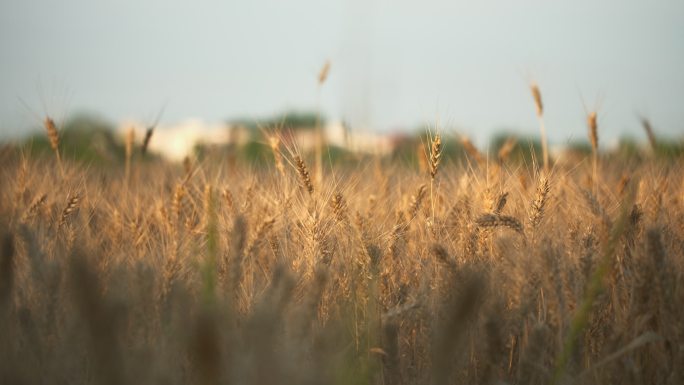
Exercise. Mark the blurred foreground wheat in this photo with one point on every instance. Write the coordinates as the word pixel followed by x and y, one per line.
pixel 495 274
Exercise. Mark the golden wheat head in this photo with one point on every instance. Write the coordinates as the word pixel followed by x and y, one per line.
pixel 53 134
pixel 304 176
pixel 435 155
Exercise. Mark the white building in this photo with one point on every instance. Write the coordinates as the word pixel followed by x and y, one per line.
pixel 176 141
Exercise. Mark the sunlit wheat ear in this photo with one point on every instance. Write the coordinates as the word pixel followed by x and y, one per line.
pixel 339 207
pixel 593 137
pixel 593 130
pixel 73 203
pixel 274 142
pixel 53 134
pixel 304 177
pixel 536 95
pixel 435 155
pixel 539 203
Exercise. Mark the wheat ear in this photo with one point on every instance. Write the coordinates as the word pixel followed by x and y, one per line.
pixel 536 95
pixel 593 136
pixel 53 136
pixel 304 176
pixel 649 132
pixel 72 205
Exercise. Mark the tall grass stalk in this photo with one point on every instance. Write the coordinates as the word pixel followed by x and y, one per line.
pixel 536 95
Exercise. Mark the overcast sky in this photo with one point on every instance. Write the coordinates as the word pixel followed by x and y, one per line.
pixel 395 64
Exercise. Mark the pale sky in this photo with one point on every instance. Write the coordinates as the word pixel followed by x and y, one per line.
pixel 395 64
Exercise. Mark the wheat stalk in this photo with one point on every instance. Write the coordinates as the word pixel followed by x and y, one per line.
pixel 130 139
pixel 536 95
pixel 593 137
pixel 593 130
pixel 318 163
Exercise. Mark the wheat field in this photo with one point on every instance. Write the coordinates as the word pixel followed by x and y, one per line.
pixel 477 272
